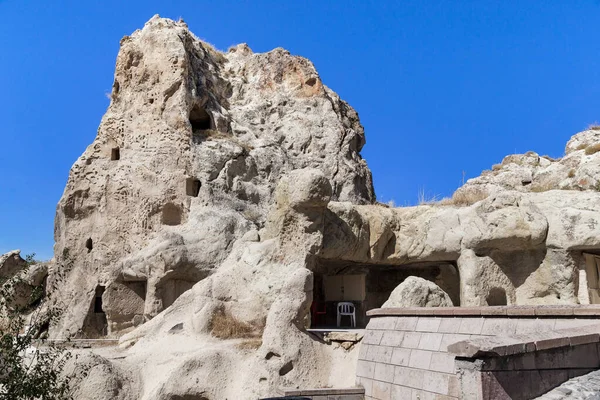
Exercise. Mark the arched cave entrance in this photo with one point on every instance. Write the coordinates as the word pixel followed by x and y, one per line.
pixel 96 324
pixel 178 280
pixel 368 286
pixel 171 289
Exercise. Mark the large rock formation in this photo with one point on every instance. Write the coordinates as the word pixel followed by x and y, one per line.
pixel 222 189
pixel 185 162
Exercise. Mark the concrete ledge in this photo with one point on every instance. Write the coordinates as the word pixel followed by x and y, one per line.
pixel 510 311
pixel 500 346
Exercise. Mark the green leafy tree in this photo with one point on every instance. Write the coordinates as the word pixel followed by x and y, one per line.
pixel 31 368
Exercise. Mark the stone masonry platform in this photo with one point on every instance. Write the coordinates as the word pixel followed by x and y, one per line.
pixel 489 311
pixel 504 352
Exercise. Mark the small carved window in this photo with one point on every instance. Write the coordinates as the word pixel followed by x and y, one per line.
pixel 192 187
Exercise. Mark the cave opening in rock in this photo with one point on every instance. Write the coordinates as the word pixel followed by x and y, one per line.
pixel 368 286
pixel 95 324
pixel 89 244
pixel 171 289
pixel 192 187
pixel 171 214
pixel 199 119
pixel 589 278
pixel 496 297
pixel 115 154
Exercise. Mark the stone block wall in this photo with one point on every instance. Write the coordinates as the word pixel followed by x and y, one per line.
pixel 404 351
pixel 524 376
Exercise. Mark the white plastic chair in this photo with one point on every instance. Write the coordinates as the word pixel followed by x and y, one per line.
pixel 346 308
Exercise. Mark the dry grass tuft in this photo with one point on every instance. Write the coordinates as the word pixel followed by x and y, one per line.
pixel 224 325
pixel 592 149
pixel 423 199
pixel 594 127
pixel 547 157
pixel 217 55
pixel 571 173
pixel 466 198
pixel 446 201
pixel 250 344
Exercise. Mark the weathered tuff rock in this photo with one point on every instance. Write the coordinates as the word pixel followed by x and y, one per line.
pixel 185 162
pixel 506 249
pixel 25 278
pixel 96 378
pixel 11 263
pixel 418 292
pixel 233 183
pixel 579 169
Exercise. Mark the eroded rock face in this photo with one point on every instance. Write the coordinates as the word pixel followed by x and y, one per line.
pixel 418 292
pixel 528 246
pixel 231 183
pixel 185 162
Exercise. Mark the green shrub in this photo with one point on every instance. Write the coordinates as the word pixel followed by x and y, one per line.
pixel 30 367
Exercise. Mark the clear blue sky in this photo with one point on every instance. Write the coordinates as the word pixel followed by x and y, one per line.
pixel 441 87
